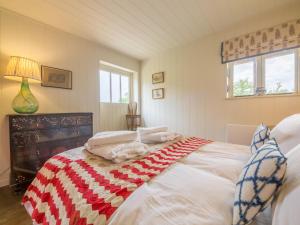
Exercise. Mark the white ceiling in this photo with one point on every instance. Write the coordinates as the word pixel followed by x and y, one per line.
pixel 141 28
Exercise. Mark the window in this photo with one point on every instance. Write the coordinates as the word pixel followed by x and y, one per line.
pixel 243 78
pixel 114 87
pixel 280 73
pixel 124 89
pixel 271 74
pixel 104 86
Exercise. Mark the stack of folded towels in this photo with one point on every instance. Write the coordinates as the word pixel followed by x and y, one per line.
pixel 119 146
pixel 116 146
pixel 154 135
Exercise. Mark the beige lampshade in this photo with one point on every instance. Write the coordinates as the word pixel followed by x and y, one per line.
pixel 19 67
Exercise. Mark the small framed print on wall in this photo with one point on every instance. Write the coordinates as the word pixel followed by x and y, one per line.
pixel 57 78
pixel 158 93
pixel 158 78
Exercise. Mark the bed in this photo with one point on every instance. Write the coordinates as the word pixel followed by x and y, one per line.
pixel 197 189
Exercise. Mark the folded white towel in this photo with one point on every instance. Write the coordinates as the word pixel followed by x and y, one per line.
pixel 113 137
pixel 158 137
pixel 120 152
pixel 150 130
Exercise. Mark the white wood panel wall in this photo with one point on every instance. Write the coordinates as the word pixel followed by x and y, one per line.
pixel 113 116
pixel 195 87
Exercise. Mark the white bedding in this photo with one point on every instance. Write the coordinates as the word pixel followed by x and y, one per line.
pixel 198 190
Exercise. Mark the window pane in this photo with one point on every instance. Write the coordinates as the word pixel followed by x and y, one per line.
pixel 243 79
pixel 115 88
pixel 104 86
pixel 280 74
pixel 124 89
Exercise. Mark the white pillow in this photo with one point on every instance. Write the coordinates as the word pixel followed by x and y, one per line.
pixel 287 133
pixel 260 137
pixel 286 207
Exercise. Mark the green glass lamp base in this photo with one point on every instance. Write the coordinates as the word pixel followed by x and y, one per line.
pixel 25 102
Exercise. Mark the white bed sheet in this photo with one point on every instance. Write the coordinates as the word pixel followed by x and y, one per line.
pixel 198 190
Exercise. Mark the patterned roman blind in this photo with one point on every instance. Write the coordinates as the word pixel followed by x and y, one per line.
pixel 276 38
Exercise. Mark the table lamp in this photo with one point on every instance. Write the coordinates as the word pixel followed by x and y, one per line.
pixel 24 69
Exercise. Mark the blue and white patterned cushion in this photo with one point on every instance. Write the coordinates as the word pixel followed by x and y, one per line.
pixel 260 137
pixel 258 183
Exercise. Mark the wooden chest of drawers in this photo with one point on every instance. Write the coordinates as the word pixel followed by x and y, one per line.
pixel 35 138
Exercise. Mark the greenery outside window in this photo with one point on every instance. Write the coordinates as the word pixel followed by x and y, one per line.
pixel 270 74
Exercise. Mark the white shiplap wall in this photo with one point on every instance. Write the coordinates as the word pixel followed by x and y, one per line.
pixel 25 37
pixel 195 86
pixel 113 116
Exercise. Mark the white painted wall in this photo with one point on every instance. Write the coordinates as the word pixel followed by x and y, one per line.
pixel 114 116
pixel 195 86
pixel 22 36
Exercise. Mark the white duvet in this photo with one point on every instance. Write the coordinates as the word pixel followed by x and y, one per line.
pixel 198 190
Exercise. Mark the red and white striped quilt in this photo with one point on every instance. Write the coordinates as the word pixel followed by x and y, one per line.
pixel 82 189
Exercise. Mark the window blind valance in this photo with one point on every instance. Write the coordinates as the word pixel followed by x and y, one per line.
pixel 276 38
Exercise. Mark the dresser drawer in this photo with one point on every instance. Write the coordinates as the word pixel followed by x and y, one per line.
pixel 56 134
pixel 67 121
pixel 19 123
pixel 48 122
pixel 84 120
pixel 31 122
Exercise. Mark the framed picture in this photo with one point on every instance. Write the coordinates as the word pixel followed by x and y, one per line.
pixel 57 78
pixel 158 93
pixel 158 78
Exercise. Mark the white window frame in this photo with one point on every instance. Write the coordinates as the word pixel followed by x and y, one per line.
pixel 281 53
pixel 230 76
pixel 120 73
pixel 259 75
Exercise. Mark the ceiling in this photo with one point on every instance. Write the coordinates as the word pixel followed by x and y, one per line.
pixel 141 28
